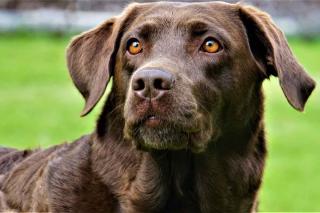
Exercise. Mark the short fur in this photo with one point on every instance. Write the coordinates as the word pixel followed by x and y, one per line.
pixel 208 152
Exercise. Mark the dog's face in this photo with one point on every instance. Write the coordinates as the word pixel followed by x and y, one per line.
pixel 179 67
pixel 183 73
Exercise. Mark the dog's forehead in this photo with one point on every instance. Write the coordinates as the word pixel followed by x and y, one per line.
pixel 218 13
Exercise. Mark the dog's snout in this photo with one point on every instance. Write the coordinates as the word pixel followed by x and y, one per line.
pixel 151 83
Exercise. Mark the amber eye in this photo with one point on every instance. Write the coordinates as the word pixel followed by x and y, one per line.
pixel 134 46
pixel 210 45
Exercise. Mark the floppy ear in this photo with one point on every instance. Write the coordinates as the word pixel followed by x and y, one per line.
pixel 273 55
pixel 88 59
pixel 91 57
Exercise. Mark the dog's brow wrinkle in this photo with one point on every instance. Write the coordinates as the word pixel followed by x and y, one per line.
pixel 197 24
pixel 151 24
pixel 196 27
pixel 147 29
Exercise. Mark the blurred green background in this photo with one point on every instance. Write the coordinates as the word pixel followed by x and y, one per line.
pixel 40 107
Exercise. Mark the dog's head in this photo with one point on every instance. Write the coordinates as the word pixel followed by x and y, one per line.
pixel 184 72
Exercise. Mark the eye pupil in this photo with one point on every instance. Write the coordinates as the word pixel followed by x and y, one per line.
pixel 209 43
pixel 135 44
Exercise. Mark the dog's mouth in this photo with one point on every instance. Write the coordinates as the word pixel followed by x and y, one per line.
pixel 152 121
pixel 168 132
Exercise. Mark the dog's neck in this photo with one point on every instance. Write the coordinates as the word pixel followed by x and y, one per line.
pixel 168 179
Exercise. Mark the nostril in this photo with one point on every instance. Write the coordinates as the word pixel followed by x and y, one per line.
pixel 138 85
pixel 162 84
pixel 157 83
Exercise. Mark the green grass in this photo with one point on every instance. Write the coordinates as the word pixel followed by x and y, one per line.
pixel 38 104
pixel 39 107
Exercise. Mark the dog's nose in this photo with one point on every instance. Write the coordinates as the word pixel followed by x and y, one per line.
pixel 151 83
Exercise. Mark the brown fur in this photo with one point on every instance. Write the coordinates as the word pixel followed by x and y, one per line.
pixel 208 152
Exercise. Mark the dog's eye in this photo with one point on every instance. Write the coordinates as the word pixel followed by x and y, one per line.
pixel 210 45
pixel 134 46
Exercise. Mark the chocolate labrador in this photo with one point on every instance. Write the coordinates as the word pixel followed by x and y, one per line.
pixel 182 128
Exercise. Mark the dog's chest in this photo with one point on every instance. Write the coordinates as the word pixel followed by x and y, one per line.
pixel 181 183
pixel 164 183
pixel 170 182
pixel 151 187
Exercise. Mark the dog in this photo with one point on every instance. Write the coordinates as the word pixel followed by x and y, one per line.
pixel 182 129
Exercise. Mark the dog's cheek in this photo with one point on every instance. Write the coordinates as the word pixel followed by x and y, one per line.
pixel 210 132
pixel 120 79
pixel 130 112
pixel 127 110
pixel 208 96
pixel 200 140
pixel 210 103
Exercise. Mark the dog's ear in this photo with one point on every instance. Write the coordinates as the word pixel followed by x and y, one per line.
pixel 91 55
pixel 273 55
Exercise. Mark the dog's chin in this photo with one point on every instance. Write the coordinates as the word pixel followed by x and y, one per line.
pixel 168 136
pixel 160 138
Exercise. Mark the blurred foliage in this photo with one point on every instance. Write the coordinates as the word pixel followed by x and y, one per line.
pixel 39 106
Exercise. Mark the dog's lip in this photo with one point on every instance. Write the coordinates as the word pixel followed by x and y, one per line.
pixel 152 121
